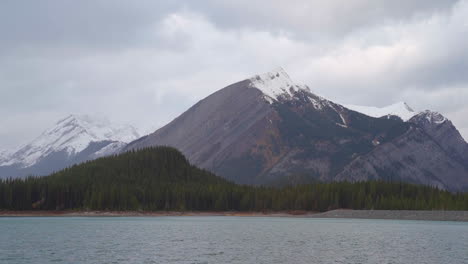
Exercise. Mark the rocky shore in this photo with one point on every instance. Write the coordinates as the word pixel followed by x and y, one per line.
pixel 461 216
pixel 396 214
pixel 149 214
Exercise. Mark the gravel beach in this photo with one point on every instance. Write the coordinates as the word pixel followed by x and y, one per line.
pixel 461 216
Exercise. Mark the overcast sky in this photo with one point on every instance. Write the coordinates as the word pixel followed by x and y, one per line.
pixel 145 62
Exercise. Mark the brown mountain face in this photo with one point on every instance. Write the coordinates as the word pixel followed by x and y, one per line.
pixel 268 130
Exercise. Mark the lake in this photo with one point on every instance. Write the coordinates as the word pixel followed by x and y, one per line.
pixel 224 239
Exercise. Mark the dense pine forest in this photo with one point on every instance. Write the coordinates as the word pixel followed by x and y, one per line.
pixel 162 179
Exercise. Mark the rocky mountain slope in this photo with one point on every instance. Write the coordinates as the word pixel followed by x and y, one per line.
pixel 442 131
pixel 269 130
pixel 72 140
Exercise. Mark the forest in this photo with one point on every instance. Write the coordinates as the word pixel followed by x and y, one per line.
pixel 162 179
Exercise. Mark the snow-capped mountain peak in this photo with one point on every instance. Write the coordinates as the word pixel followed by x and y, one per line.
pixel 275 84
pixel 100 128
pixel 72 135
pixel 431 117
pixel 400 109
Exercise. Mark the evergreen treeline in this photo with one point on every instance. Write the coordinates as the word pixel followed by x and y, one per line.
pixel 162 179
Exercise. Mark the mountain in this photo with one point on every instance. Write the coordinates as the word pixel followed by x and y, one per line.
pixel 73 139
pixel 400 109
pixel 269 130
pixel 444 133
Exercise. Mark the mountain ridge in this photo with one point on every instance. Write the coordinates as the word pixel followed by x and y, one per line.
pixel 268 130
pixel 400 109
pixel 71 140
pixel 281 131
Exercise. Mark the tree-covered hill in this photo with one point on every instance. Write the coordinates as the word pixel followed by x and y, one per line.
pixel 161 178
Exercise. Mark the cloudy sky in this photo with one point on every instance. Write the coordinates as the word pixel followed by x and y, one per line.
pixel 145 62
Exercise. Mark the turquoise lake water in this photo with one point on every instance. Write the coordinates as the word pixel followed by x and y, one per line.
pixel 229 240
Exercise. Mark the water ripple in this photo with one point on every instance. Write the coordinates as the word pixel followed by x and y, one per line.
pixel 230 240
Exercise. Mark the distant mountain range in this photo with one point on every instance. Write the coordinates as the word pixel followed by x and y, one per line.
pixel 269 130
pixel 74 139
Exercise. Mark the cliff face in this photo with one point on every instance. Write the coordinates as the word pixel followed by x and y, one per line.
pixel 268 130
pixel 442 131
pixel 413 157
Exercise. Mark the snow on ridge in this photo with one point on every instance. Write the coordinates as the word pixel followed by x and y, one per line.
pixel 4 155
pixel 275 83
pixel 102 129
pixel 433 117
pixel 72 134
pixel 400 109
pixel 110 149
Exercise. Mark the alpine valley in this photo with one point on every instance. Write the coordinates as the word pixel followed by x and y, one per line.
pixel 267 130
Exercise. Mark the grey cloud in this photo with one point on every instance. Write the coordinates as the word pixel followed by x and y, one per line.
pixel 94 24
pixel 145 62
pixel 316 19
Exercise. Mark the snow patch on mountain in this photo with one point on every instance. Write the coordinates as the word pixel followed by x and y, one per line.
pixel 110 149
pixel 275 84
pixel 4 152
pixel 400 109
pixel 71 135
pixel 432 117
pixel 4 155
pixel 435 117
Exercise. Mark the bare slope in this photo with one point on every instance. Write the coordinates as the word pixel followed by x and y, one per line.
pixel 269 130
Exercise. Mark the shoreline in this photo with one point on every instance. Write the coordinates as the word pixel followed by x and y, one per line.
pixel 459 216
pixel 152 213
